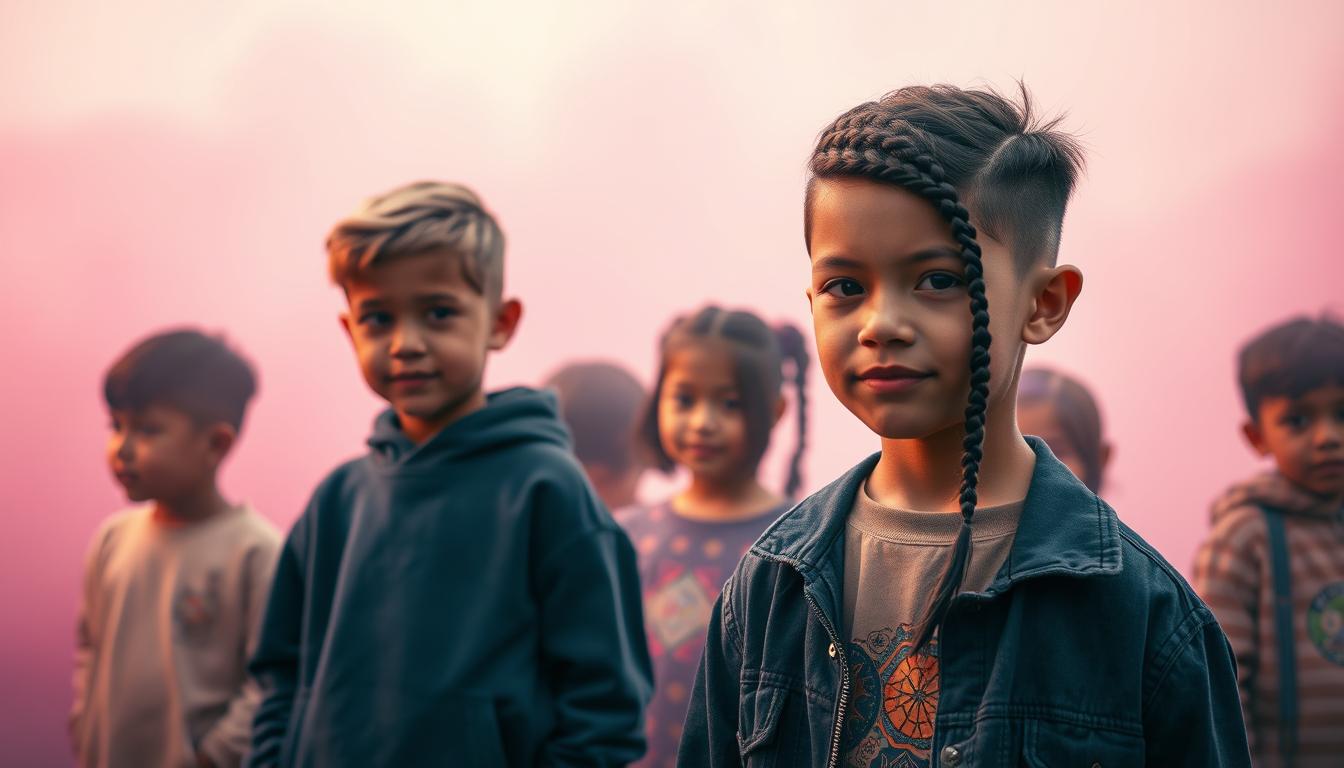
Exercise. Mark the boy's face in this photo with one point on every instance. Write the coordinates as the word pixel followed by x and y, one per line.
pixel 889 307
pixel 161 453
pixel 421 334
pixel 1305 435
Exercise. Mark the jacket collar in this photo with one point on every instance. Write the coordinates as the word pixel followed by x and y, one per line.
pixel 1064 529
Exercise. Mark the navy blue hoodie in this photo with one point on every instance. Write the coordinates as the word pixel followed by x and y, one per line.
pixel 467 601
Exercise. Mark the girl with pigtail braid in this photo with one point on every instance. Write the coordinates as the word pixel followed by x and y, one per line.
pixel 713 407
pixel 958 598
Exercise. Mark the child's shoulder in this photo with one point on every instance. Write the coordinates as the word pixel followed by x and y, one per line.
pixel 117 525
pixel 248 529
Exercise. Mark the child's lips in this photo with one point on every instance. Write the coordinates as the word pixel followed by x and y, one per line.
pixel 891 379
pixel 404 381
pixel 703 452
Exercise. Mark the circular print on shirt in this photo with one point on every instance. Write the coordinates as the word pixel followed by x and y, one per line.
pixel 1325 622
pixel 865 696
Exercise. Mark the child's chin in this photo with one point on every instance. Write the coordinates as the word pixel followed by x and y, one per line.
pixel 891 428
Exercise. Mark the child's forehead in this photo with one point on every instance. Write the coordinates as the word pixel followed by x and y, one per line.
pixel 429 272
pixel 702 358
pixel 154 410
pixel 1328 394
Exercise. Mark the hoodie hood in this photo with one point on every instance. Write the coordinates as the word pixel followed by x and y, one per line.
pixel 1275 491
pixel 509 417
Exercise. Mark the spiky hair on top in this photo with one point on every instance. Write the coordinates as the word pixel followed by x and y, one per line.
pixel 416 219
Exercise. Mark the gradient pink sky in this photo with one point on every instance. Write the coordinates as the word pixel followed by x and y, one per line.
pixel 168 163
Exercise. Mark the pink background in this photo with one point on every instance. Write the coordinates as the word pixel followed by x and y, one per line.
pixel 168 163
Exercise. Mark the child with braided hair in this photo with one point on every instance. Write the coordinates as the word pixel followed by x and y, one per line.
pixel 958 598
pixel 716 401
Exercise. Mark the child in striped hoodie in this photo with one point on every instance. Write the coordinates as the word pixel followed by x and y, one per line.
pixel 1272 569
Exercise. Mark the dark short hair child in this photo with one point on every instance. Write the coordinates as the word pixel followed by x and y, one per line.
pixel 186 369
pixel 1290 359
pixel 601 404
pixel 1272 567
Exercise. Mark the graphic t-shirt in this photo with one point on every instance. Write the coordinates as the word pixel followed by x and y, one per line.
pixel 893 561
pixel 683 564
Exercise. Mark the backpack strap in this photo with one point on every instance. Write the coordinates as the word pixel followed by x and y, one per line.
pixel 1286 637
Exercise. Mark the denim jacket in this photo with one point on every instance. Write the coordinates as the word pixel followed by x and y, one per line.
pixel 1086 649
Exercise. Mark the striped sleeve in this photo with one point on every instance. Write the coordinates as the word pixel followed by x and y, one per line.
pixel 1228 569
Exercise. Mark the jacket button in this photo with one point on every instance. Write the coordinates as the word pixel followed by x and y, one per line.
pixel 831 650
pixel 951 757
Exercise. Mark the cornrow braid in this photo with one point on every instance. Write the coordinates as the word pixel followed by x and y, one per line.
pixel 793 347
pixel 862 142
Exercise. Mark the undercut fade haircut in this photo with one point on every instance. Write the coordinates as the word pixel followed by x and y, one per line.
pixel 1291 359
pixel 961 150
pixel 417 219
pixel 1012 170
pixel 186 370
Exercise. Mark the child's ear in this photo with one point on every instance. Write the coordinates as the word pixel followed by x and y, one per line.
pixel 781 407
pixel 1256 437
pixel 347 325
pixel 808 294
pixel 1059 288
pixel 507 315
pixel 1107 453
pixel 221 439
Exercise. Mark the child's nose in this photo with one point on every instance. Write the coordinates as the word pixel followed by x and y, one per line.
pixel 703 417
pixel 407 341
pixel 1330 434
pixel 886 323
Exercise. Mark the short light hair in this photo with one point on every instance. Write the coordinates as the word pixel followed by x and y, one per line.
pixel 415 219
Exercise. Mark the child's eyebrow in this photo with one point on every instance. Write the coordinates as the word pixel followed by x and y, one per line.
pixel 437 298
pixel 826 263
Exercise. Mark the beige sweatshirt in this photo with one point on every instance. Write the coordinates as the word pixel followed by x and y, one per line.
pixel 1232 575
pixel 168 619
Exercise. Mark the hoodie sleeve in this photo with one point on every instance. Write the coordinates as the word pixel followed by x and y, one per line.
pixel 1227 574
pixel 593 649
pixel 275 663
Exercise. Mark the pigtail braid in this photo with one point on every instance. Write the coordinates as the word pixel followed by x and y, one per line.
pixel 859 145
pixel 793 347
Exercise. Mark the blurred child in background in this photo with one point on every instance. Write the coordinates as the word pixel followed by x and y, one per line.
pixel 173 589
pixel 712 410
pixel 1272 568
pixel 1058 409
pixel 601 404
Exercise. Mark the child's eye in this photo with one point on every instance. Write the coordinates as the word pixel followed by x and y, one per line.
pixel 939 281
pixel 842 288
pixel 439 314
pixel 683 401
pixel 732 404
pixel 1294 421
pixel 375 319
